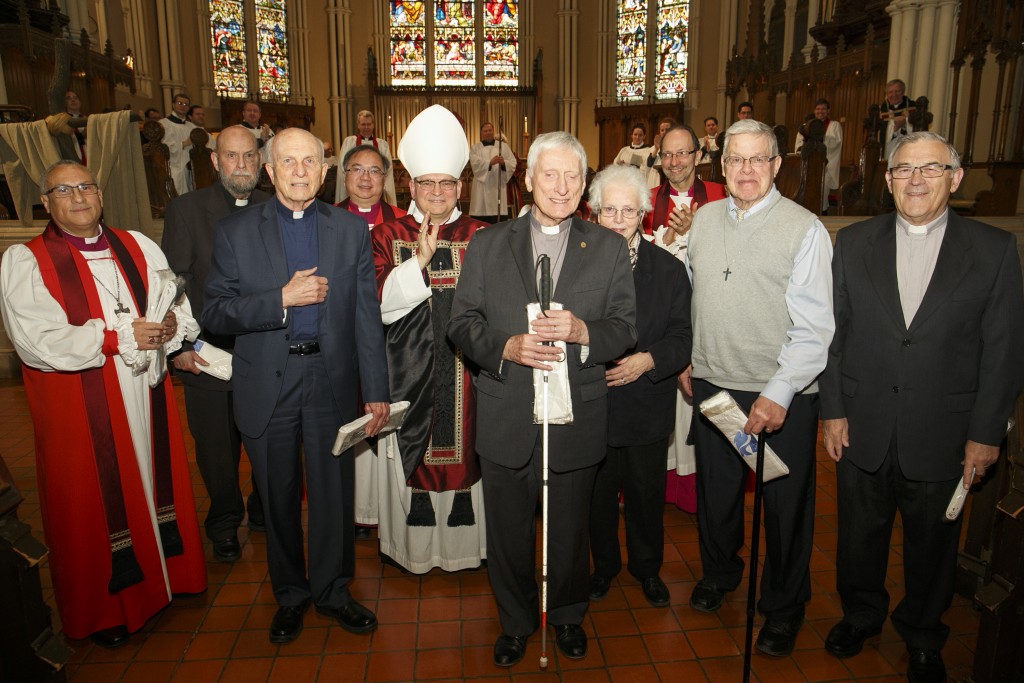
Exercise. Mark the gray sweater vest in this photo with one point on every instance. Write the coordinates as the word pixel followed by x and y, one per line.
pixel 740 320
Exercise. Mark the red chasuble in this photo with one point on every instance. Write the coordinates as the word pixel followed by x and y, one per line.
pixel 70 492
pixel 438 437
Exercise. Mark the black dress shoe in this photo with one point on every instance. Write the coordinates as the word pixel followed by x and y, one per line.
pixel 112 637
pixel 707 596
pixel 571 640
pixel 352 617
pixel 599 586
pixel 508 650
pixel 655 591
pixel 926 666
pixel 287 623
pixel 778 636
pixel 846 640
pixel 362 533
pixel 227 549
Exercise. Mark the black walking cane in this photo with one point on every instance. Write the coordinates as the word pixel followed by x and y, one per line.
pixel 755 538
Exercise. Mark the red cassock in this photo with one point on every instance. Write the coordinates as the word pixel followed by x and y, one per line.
pixel 437 439
pixel 74 509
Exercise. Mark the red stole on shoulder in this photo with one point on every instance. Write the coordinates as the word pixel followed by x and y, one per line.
pixel 67 277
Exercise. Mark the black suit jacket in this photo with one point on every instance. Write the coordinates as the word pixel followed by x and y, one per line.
pixel 243 298
pixel 496 283
pixel 953 375
pixel 644 411
pixel 187 242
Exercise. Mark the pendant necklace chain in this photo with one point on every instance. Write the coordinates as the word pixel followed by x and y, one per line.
pixel 121 308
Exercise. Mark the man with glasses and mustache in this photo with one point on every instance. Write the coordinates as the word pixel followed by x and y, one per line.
pixel 430 507
pixel 762 322
pixel 188 243
pixel 922 375
pixel 114 483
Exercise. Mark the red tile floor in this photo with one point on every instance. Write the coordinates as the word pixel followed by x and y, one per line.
pixel 441 627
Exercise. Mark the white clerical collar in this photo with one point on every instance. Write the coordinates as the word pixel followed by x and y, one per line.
pixel 926 229
pixel 241 202
pixel 95 238
pixel 296 215
pixel 415 212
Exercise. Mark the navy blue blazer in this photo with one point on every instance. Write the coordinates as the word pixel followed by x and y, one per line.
pixel 243 298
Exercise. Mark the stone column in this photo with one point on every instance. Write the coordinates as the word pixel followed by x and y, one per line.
pixel 568 100
pixel 339 62
pixel 789 39
pixel 812 21
pixel 298 52
pixel 942 54
pixel 78 15
pixel 169 42
pixel 207 95
pixel 606 53
pixel 927 47
pixel 137 39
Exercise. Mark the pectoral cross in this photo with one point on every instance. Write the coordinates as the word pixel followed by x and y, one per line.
pixel 727 272
pixel 121 308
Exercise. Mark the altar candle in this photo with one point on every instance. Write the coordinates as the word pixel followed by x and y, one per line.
pixel 389 124
pixel 526 126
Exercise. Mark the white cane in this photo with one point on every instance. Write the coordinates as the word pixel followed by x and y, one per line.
pixel 545 304
pixel 544 532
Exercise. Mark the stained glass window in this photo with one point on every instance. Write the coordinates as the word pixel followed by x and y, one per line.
pixel 657 61
pixel 408 43
pixel 501 43
pixel 454 43
pixel 227 27
pixel 631 54
pixel 673 27
pixel 467 43
pixel 272 49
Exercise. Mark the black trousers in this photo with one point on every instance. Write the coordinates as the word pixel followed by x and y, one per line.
pixel 305 421
pixel 639 472
pixel 867 504
pixel 510 497
pixel 788 504
pixel 211 421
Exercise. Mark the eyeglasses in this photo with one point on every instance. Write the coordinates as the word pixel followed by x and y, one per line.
pixel 372 171
pixel 682 154
pixel 431 185
pixel 757 161
pixel 65 191
pixel 927 170
pixel 628 212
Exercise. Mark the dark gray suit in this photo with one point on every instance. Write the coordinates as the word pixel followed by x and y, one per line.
pixel 281 398
pixel 496 283
pixel 188 244
pixel 913 397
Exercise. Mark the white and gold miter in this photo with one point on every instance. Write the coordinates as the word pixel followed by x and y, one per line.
pixel 434 142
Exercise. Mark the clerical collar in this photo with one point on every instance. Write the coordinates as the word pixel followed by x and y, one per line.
pixel 638 146
pixel 97 242
pixel 549 229
pixel 920 230
pixel 487 143
pixel 288 214
pixel 415 212
pixel 367 140
pixel 174 119
pixel 248 125
pixel 241 202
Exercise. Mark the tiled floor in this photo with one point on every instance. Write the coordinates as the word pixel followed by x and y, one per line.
pixel 442 626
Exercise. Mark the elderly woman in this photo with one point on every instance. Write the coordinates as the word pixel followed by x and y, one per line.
pixel 641 395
